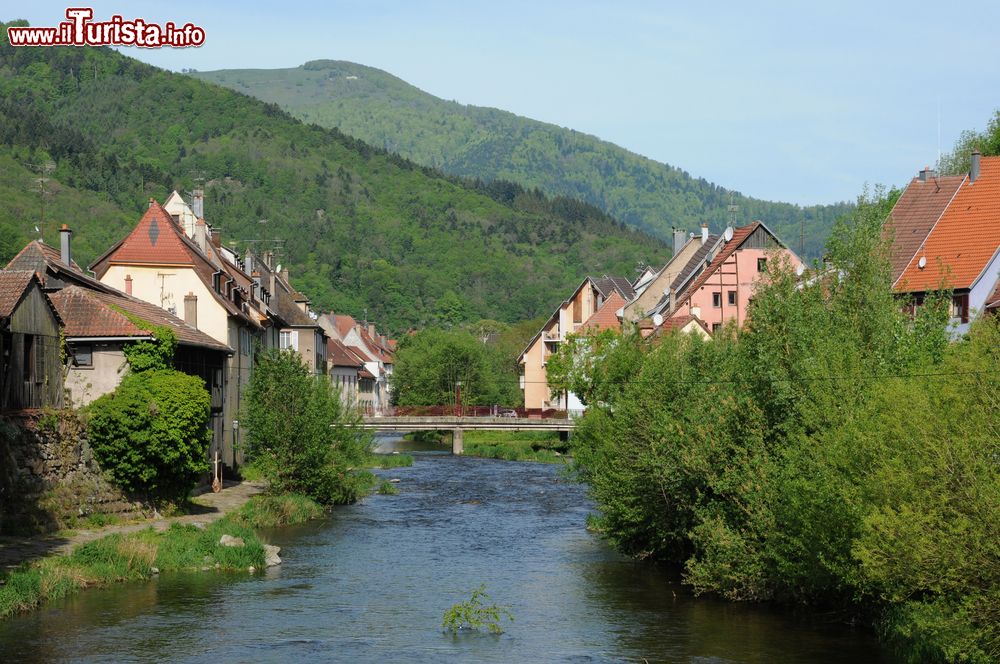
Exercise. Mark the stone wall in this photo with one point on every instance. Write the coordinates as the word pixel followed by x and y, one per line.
pixel 48 477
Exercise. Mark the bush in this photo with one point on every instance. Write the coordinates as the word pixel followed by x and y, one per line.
pixel 299 436
pixel 151 434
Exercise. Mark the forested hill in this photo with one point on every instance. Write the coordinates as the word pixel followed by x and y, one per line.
pixel 487 143
pixel 91 134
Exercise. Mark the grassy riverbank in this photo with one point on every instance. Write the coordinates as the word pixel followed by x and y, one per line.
pixel 141 555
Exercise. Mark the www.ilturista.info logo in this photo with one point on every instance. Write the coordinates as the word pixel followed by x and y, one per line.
pixel 79 30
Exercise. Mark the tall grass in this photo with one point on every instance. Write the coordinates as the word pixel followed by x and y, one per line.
pixel 139 555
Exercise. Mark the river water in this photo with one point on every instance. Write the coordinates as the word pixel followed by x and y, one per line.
pixel 370 583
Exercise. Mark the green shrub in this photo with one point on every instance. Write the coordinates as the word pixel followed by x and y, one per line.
pixel 475 614
pixel 151 434
pixel 299 436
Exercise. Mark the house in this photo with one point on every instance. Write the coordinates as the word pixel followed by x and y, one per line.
pixel 30 346
pixel 99 320
pixel 375 380
pixel 653 293
pixel 961 250
pixel 98 325
pixel 345 369
pixel 718 284
pixel 587 299
pixel 682 323
pixel 159 264
pixel 915 213
pixel 298 330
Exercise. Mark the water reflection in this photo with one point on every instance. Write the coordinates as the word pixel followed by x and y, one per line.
pixel 370 583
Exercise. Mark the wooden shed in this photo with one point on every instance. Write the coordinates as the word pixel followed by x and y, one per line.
pixel 30 346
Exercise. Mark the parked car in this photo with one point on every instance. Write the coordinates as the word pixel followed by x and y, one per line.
pixel 508 413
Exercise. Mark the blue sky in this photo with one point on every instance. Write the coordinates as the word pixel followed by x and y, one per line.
pixel 801 102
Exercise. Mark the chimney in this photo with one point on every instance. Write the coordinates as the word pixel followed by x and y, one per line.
pixel 680 237
pixel 371 331
pixel 198 203
pixel 128 284
pixel 974 168
pixel 696 312
pixel 65 236
pixel 217 238
pixel 704 233
pixel 927 174
pixel 191 309
pixel 284 275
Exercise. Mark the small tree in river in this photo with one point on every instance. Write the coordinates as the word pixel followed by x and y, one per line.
pixel 299 435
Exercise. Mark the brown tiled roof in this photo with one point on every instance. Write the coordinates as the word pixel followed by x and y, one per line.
pixel 914 214
pixel 680 322
pixel 364 373
pixel 39 257
pixel 381 352
pixel 606 285
pixel 35 255
pixel 13 286
pixel 606 318
pixel 964 240
pixel 340 356
pixel 88 313
pixel 696 261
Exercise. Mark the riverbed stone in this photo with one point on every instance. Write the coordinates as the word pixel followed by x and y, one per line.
pixel 271 558
pixel 229 540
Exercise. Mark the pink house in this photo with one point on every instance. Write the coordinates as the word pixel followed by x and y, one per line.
pixel 722 288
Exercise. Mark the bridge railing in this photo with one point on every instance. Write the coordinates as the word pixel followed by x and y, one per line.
pixel 475 411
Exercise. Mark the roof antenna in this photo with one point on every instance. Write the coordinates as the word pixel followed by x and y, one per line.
pixel 939 134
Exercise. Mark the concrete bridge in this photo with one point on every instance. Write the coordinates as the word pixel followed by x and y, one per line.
pixel 459 424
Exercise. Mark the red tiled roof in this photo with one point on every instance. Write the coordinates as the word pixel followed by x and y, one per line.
pixel 157 240
pixel 606 318
pixel 344 323
pixel 13 285
pixel 964 240
pixel 364 373
pixel 680 322
pixel 87 313
pixel 739 235
pixel 340 356
pixel 913 216
pixel 154 240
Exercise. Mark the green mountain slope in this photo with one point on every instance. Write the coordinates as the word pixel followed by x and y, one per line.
pixel 361 229
pixel 487 143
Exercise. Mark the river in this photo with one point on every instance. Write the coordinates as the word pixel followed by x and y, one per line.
pixel 370 583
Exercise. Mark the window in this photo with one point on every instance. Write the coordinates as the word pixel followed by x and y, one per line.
pixel 83 356
pixel 285 340
pixel 716 299
pixel 246 341
pixel 732 298
pixel 960 307
pixel 716 327
pixel 761 264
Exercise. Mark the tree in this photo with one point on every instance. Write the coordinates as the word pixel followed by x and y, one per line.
pixel 299 435
pixel 429 363
pixel 987 142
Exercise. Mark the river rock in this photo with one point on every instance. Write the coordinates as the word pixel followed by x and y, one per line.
pixel 229 540
pixel 271 555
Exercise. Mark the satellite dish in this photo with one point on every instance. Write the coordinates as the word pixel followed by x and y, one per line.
pixel 657 320
pixel 728 233
pixel 800 270
pixel 922 263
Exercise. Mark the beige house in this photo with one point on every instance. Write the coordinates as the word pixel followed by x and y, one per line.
pixel 158 263
pixel 588 298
